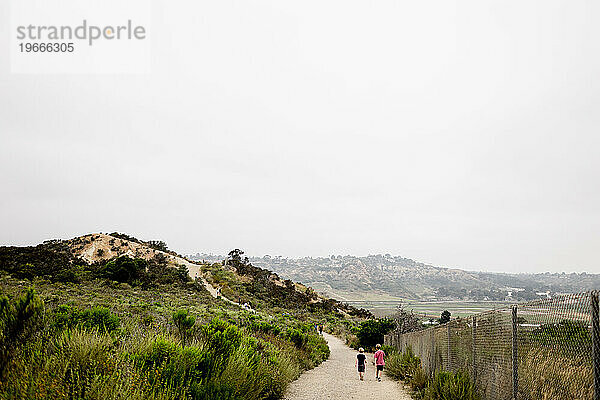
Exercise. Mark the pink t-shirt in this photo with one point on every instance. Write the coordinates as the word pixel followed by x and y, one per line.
pixel 379 354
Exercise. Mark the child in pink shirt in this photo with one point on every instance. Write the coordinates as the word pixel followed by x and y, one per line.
pixel 379 361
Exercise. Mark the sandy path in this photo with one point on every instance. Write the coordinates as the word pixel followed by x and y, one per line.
pixel 195 272
pixel 337 379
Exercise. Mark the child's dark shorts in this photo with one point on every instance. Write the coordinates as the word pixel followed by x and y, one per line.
pixel 380 368
pixel 361 368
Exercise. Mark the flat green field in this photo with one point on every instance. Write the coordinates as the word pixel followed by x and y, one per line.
pixel 428 309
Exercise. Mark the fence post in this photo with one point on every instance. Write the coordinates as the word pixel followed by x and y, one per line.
pixel 474 348
pixel 449 368
pixel 403 344
pixel 596 344
pixel 434 359
pixel 515 361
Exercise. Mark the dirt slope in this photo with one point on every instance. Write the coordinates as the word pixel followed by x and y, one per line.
pixel 101 247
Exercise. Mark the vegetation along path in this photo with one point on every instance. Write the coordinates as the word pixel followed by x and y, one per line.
pixel 337 379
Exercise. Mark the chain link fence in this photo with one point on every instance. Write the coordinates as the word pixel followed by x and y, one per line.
pixel 541 350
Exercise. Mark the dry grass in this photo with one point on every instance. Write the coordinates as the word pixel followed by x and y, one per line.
pixel 545 374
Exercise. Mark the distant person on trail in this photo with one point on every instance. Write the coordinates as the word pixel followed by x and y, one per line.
pixel 321 330
pixel 379 361
pixel 361 363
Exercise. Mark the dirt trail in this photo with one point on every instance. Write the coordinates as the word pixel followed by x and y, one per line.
pixel 337 379
pixel 196 272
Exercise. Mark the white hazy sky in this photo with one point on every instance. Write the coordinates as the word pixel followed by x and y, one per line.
pixel 459 133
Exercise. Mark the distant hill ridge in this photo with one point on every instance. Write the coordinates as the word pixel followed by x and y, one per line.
pixel 352 278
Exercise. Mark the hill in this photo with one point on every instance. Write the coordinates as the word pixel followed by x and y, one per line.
pixel 388 277
pixel 87 256
pixel 114 317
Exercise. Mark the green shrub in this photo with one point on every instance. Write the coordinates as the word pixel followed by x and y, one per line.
pixel 419 380
pixel 371 332
pixel 167 364
pixel 224 364
pixel 247 374
pixel 318 349
pixel 97 318
pixel 353 342
pixel 183 273
pixel 69 365
pixel 184 324
pixel 158 352
pixel 265 327
pixel 450 386
pixel 84 356
pixel 91 353
pixel 26 271
pixel 402 366
pixel 19 320
pixel 65 317
pixel 213 390
pixel 125 269
pixel 296 337
pixel 69 275
pixel 566 334
pixel 220 341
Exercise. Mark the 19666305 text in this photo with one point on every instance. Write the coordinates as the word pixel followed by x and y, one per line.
pixel 46 47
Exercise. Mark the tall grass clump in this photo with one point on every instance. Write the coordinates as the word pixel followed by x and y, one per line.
pixel 451 386
pixel 99 318
pixel 401 366
pixel 19 320
pixel 407 367
pixel 442 386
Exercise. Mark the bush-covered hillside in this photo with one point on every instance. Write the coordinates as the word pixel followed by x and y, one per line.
pixel 137 325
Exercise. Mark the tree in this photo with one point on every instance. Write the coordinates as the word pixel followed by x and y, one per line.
pixel 235 255
pixel 371 332
pixel 445 317
pixel 158 245
pixel 406 321
pixel 183 272
pixel 234 258
pixel 241 265
pixel 125 269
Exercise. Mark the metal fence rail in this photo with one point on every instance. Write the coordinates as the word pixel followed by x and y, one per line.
pixel 541 350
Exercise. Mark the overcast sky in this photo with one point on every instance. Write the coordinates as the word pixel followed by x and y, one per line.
pixel 462 134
